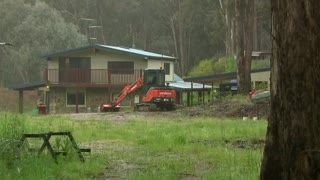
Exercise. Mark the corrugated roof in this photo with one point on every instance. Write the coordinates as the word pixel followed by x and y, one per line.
pixel 181 85
pixel 28 86
pixel 220 77
pixel 139 52
pixel 187 86
pixel 115 49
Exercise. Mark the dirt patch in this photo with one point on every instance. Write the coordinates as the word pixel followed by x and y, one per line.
pixel 219 109
pixel 241 144
pixel 229 109
pixel 120 169
pixel 120 118
pixel 246 144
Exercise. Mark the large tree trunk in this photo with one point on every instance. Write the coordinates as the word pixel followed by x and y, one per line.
pixel 227 15
pixel 244 61
pixel 249 46
pixel 292 149
pixel 241 74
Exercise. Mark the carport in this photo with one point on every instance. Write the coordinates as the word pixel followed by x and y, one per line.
pixel 189 87
pixel 26 87
pixel 218 78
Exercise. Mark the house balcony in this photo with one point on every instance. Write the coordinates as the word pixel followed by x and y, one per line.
pixel 92 77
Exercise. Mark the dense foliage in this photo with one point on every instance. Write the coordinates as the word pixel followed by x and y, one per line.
pixel 223 65
pixel 191 30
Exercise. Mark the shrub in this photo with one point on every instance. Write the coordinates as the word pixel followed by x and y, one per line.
pixel 11 128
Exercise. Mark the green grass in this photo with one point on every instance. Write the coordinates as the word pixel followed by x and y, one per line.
pixel 201 148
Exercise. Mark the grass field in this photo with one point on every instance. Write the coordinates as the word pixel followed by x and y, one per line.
pixel 138 148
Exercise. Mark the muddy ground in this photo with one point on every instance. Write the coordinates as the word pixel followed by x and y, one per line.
pixel 218 109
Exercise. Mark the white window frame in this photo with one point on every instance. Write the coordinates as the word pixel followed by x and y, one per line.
pixel 73 91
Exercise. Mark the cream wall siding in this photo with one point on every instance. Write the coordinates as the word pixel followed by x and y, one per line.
pixel 100 60
pixel 260 76
pixel 156 64
pixel 53 64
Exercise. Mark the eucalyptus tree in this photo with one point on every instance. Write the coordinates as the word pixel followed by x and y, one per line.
pixel 244 43
pixel 12 13
pixel 41 31
pixel 292 141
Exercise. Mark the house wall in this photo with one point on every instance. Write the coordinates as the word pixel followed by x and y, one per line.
pixel 97 96
pixel 99 60
pixel 94 98
pixel 53 64
pixel 260 77
pixel 156 64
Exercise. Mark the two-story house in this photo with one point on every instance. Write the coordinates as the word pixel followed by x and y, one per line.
pixel 81 79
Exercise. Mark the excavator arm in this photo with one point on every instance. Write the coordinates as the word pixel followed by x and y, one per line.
pixel 128 89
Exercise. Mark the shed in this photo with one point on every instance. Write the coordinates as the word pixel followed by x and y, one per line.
pixel 26 87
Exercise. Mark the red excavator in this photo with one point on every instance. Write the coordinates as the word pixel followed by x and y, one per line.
pixel 156 93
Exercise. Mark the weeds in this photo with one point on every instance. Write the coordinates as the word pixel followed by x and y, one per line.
pixel 184 148
pixel 11 128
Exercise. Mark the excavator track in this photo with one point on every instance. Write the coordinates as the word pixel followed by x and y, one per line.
pixel 146 107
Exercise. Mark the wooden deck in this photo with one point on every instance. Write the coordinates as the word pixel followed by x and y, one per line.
pixel 92 76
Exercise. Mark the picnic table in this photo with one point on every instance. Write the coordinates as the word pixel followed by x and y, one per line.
pixel 46 144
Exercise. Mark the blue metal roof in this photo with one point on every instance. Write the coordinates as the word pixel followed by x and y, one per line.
pixel 29 86
pixel 220 77
pixel 115 49
pixel 180 85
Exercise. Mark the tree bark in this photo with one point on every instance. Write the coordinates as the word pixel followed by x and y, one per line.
pixel 292 149
pixel 249 46
pixel 244 60
pixel 240 46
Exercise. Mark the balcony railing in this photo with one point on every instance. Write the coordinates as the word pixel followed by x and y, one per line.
pixel 92 76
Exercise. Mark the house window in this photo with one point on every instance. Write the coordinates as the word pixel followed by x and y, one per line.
pixel 167 68
pixel 121 67
pixel 72 97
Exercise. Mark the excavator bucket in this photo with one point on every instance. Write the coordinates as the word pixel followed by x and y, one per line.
pixel 109 108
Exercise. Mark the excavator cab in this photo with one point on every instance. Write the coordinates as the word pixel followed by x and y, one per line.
pixel 153 78
pixel 155 92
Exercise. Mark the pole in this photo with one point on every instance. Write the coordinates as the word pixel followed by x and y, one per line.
pixel 77 91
